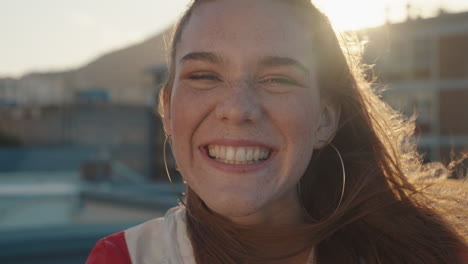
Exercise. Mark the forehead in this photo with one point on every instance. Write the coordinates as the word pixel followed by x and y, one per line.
pixel 252 28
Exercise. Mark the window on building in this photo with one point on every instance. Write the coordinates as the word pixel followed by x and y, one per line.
pixel 453 54
pixel 424 107
pixel 454 112
pixel 422 58
pixel 419 103
pixel 396 65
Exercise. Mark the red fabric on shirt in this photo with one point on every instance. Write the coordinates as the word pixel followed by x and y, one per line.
pixel 113 250
pixel 110 250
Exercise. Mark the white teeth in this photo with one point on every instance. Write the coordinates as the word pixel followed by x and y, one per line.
pixel 221 152
pixel 238 155
pixel 256 154
pixel 249 155
pixel 212 150
pixel 230 152
pixel 217 151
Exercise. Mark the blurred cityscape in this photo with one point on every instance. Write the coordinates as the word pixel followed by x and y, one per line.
pixel 80 155
pixel 424 64
pixel 81 150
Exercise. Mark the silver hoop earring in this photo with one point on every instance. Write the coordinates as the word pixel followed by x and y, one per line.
pixel 344 178
pixel 342 189
pixel 167 170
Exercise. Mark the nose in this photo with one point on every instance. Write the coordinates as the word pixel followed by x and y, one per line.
pixel 239 105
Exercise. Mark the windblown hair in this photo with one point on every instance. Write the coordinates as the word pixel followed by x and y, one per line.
pixel 383 218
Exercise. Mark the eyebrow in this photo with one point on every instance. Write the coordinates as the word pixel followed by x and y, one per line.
pixel 269 61
pixel 202 56
pixel 275 61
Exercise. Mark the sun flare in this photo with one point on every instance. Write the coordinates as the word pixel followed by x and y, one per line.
pixel 353 15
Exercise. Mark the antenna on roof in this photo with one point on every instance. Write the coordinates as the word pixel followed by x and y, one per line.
pixel 408 8
pixel 413 11
pixel 440 8
pixel 387 14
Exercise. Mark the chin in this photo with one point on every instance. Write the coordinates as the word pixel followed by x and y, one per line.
pixel 234 207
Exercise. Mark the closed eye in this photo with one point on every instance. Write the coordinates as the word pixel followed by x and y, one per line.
pixel 204 76
pixel 203 80
pixel 279 80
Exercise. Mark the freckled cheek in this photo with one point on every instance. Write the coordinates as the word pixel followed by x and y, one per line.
pixel 189 109
pixel 183 121
pixel 185 106
pixel 299 121
pixel 299 131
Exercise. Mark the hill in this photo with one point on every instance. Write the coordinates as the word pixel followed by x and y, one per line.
pixel 126 67
pixel 124 74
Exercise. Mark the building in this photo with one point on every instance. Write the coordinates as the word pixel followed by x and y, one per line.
pixel 8 92
pixel 424 63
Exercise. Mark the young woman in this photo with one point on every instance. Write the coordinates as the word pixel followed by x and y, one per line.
pixel 288 155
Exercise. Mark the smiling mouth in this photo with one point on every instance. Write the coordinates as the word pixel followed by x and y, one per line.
pixel 238 155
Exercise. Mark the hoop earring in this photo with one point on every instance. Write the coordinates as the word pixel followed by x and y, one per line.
pixel 344 179
pixel 342 189
pixel 167 171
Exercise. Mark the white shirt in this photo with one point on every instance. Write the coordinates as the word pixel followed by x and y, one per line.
pixel 165 241
pixel 161 241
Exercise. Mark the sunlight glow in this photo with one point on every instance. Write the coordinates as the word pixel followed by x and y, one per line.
pixel 353 15
pixel 358 14
pixel 33 39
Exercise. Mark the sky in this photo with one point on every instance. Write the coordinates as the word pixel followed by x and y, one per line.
pixel 63 34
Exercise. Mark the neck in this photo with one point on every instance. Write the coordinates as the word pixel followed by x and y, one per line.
pixel 285 212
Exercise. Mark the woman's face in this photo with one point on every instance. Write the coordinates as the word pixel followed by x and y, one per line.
pixel 245 111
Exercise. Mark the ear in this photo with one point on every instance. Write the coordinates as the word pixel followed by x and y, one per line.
pixel 328 125
pixel 166 118
pixel 167 123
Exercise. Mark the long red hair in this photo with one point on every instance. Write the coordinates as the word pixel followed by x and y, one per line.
pixel 383 218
